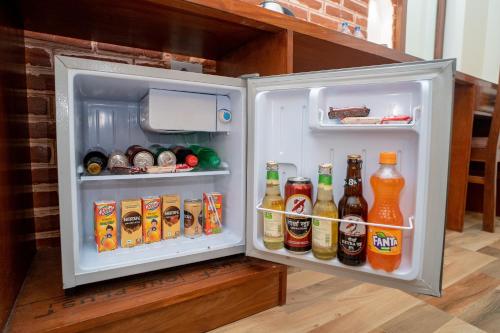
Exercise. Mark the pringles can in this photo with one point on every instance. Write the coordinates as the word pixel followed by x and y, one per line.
pixel 298 200
pixel 117 161
pixel 163 156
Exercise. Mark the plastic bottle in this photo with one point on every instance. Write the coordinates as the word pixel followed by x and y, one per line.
pixel 385 244
pixel 207 157
pixel 344 28
pixel 358 33
pixel 184 156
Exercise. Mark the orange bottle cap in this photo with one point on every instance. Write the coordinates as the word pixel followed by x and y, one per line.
pixel 388 157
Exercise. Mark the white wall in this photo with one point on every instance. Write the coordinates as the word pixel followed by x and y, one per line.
pixel 421 27
pixel 491 63
pixel 472 35
pixel 380 17
pixel 454 30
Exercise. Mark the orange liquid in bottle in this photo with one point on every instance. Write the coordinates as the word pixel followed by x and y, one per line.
pixel 385 244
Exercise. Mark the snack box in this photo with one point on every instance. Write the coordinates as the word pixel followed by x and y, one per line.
pixel 151 219
pixel 105 225
pixel 212 213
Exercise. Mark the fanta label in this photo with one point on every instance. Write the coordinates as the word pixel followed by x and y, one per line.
pixel 384 241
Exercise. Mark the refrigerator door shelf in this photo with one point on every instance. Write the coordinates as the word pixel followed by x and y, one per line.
pixel 404 272
pixel 286 126
pixel 400 99
pixel 410 220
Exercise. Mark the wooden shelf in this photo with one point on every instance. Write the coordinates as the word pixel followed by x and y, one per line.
pixel 209 29
pixel 218 292
pixel 176 26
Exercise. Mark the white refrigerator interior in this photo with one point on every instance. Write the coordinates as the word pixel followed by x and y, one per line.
pixel 99 105
pixel 281 118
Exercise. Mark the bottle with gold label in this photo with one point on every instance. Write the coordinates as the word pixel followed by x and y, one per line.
pixel 273 222
pixel 325 232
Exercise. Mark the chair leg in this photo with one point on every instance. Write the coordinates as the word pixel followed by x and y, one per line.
pixel 490 196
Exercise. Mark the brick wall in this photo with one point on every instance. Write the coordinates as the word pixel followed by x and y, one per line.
pixel 328 13
pixel 40 51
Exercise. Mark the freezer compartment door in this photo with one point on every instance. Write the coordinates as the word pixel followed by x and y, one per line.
pixel 290 121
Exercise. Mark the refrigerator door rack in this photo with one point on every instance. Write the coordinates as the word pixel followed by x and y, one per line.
pixel 410 225
pixel 398 99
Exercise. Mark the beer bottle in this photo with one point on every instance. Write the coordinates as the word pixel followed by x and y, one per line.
pixel 274 223
pixel 352 206
pixel 325 232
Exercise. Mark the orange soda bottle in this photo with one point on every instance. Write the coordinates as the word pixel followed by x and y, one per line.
pixel 385 244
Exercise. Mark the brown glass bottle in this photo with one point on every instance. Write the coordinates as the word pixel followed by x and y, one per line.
pixel 352 206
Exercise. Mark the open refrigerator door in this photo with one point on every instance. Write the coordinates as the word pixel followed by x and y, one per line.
pixel 303 120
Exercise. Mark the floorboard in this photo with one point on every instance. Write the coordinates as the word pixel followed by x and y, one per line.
pixel 322 303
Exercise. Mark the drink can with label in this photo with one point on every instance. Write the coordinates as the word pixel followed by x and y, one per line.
pixel 193 218
pixel 117 160
pixel 139 156
pixel 298 199
pixel 163 156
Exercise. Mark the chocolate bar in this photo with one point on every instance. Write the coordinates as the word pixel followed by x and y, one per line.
pixel 341 113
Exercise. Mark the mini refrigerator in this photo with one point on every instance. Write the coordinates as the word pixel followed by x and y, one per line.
pixel 249 121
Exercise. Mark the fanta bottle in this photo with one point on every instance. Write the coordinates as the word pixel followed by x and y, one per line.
pixel 385 244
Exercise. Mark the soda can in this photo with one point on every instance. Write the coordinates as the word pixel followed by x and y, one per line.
pixel 117 159
pixel 139 156
pixel 193 218
pixel 298 199
pixel 166 159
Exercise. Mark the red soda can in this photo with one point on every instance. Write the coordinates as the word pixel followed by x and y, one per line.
pixel 298 199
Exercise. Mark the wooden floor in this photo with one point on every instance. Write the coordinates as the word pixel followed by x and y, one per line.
pixel 321 303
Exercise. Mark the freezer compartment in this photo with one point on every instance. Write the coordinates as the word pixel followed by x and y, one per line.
pixel 284 133
pixel 168 111
pixel 98 104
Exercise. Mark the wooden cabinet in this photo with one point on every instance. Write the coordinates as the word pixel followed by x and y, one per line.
pixel 242 38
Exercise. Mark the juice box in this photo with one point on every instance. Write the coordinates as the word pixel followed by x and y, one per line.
pixel 131 223
pixel 151 219
pixel 105 225
pixel 212 213
pixel 171 216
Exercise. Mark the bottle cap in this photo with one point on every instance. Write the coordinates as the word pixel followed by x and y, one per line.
pixel 94 168
pixel 272 166
pixel 191 160
pixel 388 157
pixel 214 161
pixel 354 157
pixel 325 169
